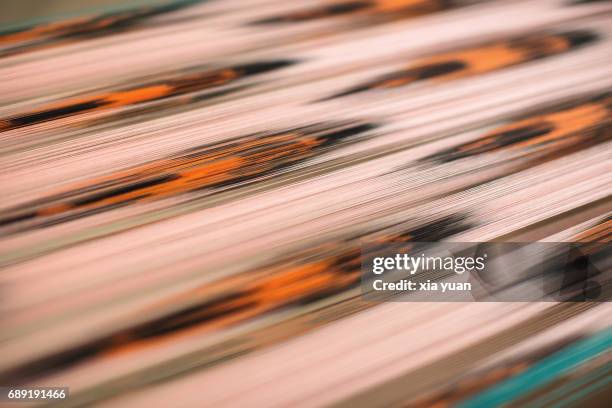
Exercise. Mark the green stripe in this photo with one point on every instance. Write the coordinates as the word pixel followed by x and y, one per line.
pixel 543 372
pixel 120 7
pixel 572 387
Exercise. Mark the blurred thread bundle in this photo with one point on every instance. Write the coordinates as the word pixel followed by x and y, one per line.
pixel 187 186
